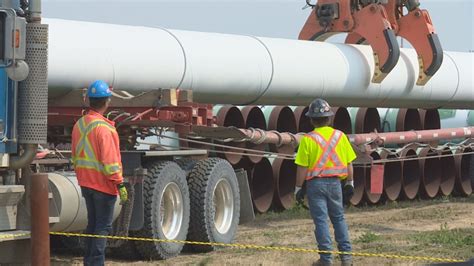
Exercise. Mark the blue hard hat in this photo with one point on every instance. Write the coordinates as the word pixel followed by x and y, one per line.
pixel 99 89
pixel 319 108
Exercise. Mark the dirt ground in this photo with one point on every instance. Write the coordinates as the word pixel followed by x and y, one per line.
pixel 441 228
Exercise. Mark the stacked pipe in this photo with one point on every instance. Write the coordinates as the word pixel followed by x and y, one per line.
pixel 425 170
pixel 272 177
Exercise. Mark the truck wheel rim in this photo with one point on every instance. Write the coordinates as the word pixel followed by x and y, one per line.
pixel 171 210
pixel 223 206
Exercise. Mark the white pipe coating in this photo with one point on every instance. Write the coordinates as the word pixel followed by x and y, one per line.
pixel 233 69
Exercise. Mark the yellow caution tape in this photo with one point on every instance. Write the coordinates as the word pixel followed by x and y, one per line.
pixel 246 246
pixel 14 236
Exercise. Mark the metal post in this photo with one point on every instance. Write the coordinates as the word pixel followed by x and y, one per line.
pixel 40 253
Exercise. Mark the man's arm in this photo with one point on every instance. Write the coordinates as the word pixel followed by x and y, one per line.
pixel 109 155
pixel 350 172
pixel 300 175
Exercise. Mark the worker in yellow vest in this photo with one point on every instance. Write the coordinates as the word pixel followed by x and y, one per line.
pixel 324 159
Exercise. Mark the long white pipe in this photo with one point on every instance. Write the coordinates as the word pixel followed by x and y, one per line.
pixel 223 68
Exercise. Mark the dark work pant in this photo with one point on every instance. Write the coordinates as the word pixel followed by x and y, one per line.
pixel 100 210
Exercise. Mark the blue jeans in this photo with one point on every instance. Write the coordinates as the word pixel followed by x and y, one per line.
pixel 325 199
pixel 100 210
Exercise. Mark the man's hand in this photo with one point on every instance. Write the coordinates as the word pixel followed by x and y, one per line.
pixel 300 192
pixel 122 193
pixel 347 192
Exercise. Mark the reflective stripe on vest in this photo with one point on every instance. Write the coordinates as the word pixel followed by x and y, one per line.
pixel 329 154
pixel 89 161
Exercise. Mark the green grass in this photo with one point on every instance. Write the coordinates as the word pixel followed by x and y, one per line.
pixel 205 261
pixel 297 212
pixel 442 243
pixel 447 239
pixel 410 203
pixel 368 237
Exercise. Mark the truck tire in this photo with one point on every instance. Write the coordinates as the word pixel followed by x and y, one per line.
pixel 215 203
pixel 187 164
pixel 166 210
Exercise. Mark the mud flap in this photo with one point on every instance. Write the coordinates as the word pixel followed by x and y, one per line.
pixel 247 213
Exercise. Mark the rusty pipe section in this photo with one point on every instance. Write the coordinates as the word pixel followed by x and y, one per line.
pixel 303 122
pixel 448 172
pixel 392 178
pixel 280 119
pixel 430 119
pixel 359 177
pixel 464 171
pixel 410 174
pixel 284 176
pixel 430 169
pixel 412 136
pixel 365 120
pixel 40 253
pixel 341 119
pixel 358 139
pixel 254 118
pixel 262 185
pixel 228 116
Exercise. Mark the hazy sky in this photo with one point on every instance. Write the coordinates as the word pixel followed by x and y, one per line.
pixel 453 19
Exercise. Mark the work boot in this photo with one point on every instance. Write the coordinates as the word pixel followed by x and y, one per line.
pixel 346 263
pixel 322 263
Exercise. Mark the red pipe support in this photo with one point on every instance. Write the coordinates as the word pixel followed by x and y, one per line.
pixel 371 198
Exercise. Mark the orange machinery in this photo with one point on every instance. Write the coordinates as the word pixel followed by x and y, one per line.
pixel 378 22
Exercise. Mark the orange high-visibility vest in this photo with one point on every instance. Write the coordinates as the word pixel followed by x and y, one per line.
pixel 321 168
pixel 96 153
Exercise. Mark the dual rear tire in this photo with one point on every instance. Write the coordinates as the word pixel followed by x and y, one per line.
pixel 201 204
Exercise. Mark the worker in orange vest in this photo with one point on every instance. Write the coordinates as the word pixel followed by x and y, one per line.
pixel 324 159
pixel 97 162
